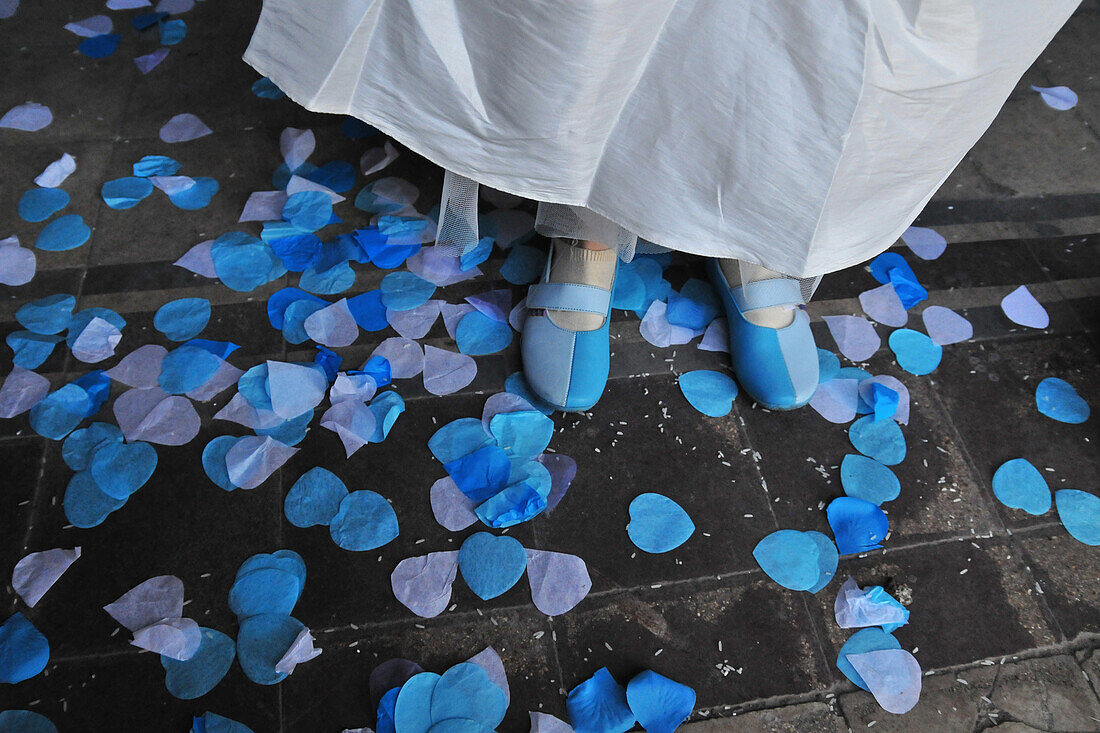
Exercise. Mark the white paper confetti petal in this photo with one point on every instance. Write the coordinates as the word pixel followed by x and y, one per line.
pixel 182 128
pixel 56 172
pixel 439 268
pixel 175 7
pixel 414 323
pixel 423 584
pixel 298 184
pixel 177 638
pixel 37 572
pixel 8 8
pixel 97 25
pixel 157 417
pixel 264 206
pixel 294 388
pixel 97 341
pixel 22 390
pixel 353 422
pixel 518 316
pixel 333 326
pixel 855 336
pixel 147 603
pixel 150 61
pixel 296 146
pixel 928 244
pixel 376 159
pixel 559 581
pixel 716 337
pixel 225 377
pixel 17 264
pixel 1021 307
pixel 453 313
pixel 1060 98
pixel 240 411
pixel 836 400
pixel 546 723
pixel 172 185
pixel 198 260
pixel 945 326
pixel 301 650
pixel 253 459
pixel 358 387
pixel 29 117
pixel 452 509
pixel 656 329
pixel 127 4
pixel 405 356
pixel 446 372
pixel 883 305
pixel 893 676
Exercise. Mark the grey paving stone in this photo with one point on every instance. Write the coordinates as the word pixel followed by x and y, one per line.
pixel 949 703
pixel 811 717
pixel 1051 694
pixel 1069 574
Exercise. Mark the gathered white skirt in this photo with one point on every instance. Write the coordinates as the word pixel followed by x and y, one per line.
pixel 801 136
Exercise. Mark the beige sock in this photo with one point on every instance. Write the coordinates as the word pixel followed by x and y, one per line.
pixel 584 267
pixel 775 317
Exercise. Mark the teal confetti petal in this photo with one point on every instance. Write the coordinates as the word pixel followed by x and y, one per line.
pixel 1019 485
pixel 1058 400
pixel 1080 514
pixel 658 524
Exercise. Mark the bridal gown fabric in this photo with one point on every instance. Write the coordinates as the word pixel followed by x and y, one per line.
pixel 801 136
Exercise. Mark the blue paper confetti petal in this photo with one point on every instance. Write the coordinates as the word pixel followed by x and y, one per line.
pixel 261 643
pixel 264 590
pixel 172 32
pixel 915 352
pixel 413 709
pixel 314 498
pixel 101 46
pixel 659 704
pixel 478 334
pixel 695 306
pixel 81 445
pixel 827 560
pixel 790 558
pixel 466 692
pixel 857 525
pixel 402 291
pixel 120 469
pixel 186 368
pixel 213 460
pixel 126 193
pixel 523 434
pixel 85 504
pixel 214 723
pixel 865 478
pixel 243 263
pixel 63 233
pixel 865 640
pixel 1080 514
pixel 658 524
pixel 458 438
pixel 156 165
pixel 309 210
pixel 39 204
pixel 386 408
pixel 368 310
pixel 878 439
pixel 1019 485
pixel 47 315
pixel 364 521
pixel 25 721
pixel 201 673
pixel 599 705
pixel 828 365
pixel 511 506
pixel 24 651
pixel 711 393
pixel 182 319
pixel 31 349
pixel 482 473
pixel 59 412
pixel 264 88
pixel 1058 400
pixel 195 196
pixel 523 265
pixel 491 565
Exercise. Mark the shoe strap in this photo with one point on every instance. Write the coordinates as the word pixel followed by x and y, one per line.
pixel 569 297
pixel 767 294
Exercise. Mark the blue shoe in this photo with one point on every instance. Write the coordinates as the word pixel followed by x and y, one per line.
pixel 777 367
pixel 567 369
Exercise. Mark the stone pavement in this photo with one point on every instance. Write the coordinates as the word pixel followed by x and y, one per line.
pixel 1005 607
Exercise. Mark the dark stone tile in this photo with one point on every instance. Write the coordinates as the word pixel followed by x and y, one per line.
pixel 24 161
pixel 212 81
pixel 179 523
pixel 330 692
pixel 800 456
pixel 126 692
pixel 643 437
pixel 969 600
pixel 22 461
pixel 1069 574
pixel 354 587
pixel 155 230
pixel 87 96
pixel 1067 258
pixel 1066 60
pixel 54 364
pixel 768 644
pixel 45 282
pixel 989 391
